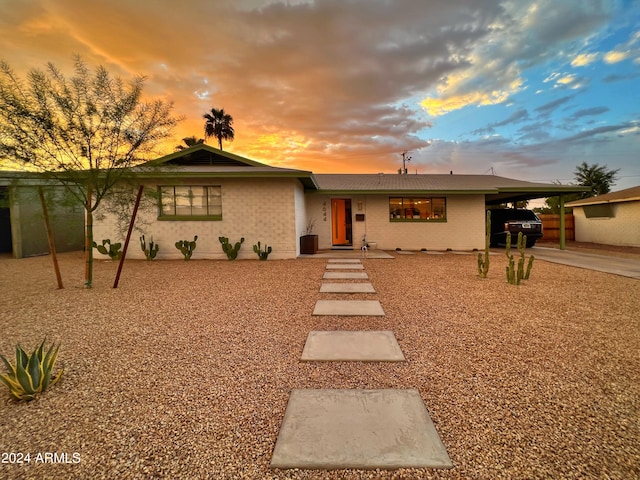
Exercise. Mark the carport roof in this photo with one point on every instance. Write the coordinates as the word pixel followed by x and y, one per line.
pixel 497 189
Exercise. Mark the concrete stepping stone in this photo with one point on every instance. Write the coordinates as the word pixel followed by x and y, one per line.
pixel 348 307
pixel 344 260
pixel 344 275
pixel 353 254
pixel 347 288
pixel 352 346
pixel 405 252
pixel 332 429
pixel 345 266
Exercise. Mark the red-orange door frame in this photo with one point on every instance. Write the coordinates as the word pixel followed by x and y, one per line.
pixel 341 221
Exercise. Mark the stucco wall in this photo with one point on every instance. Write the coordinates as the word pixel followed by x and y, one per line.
pixel 622 229
pixel 463 230
pixel 256 209
pixel 318 211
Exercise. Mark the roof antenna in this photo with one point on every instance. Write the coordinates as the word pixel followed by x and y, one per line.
pixel 405 159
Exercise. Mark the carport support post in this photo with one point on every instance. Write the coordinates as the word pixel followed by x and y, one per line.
pixel 562 230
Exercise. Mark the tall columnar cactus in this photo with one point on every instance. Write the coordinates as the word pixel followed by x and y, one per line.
pixel 516 275
pixel 108 248
pixel 262 254
pixel 151 252
pixel 483 263
pixel 186 247
pixel 232 252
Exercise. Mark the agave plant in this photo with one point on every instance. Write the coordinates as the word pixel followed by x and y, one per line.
pixel 31 374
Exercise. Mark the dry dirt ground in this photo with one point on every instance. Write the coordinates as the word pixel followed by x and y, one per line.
pixel 185 370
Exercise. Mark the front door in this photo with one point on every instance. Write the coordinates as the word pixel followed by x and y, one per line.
pixel 341 222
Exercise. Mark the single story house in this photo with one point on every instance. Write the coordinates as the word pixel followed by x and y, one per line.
pixel 611 219
pixel 206 192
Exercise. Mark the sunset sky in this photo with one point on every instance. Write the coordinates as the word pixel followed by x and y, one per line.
pixel 521 89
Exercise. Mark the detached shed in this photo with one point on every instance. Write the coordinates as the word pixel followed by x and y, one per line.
pixel 610 219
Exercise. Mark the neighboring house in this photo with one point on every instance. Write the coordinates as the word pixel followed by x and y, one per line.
pixel 210 193
pixel 22 228
pixel 610 219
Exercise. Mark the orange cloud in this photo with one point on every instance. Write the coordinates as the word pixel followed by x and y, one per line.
pixel 445 104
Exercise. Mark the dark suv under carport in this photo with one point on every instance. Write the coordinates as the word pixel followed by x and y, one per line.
pixel 514 220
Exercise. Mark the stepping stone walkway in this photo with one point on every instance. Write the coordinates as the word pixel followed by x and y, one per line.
pixel 358 429
pixel 347 288
pixel 345 346
pixel 330 428
pixel 345 266
pixel 348 307
pixel 344 275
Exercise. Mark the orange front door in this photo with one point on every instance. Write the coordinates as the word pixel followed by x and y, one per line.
pixel 341 221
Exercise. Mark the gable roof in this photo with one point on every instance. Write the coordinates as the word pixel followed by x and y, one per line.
pixel 626 195
pixel 497 189
pixel 202 161
pixel 202 154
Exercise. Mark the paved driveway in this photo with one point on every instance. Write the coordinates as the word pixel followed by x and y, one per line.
pixel 627 267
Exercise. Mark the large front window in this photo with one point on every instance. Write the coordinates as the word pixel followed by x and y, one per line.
pixel 190 202
pixel 417 208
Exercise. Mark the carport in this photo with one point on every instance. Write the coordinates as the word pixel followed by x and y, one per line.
pixel 521 191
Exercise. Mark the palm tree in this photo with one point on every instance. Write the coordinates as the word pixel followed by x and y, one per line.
pixel 189 142
pixel 218 124
pixel 595 176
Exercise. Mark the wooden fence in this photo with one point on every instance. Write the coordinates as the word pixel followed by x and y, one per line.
pixel 551 227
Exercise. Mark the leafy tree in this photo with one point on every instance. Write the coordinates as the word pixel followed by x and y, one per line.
pixel 189 142
pixel 599 178
pixel 84 132
pixel 218 124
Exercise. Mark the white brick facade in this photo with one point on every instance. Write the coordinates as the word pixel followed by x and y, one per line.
pixel 257 209
pixel 277 211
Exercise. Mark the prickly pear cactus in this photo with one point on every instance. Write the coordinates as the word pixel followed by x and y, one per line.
pixel 232 252
pixel 262 254
pixel 186 247
pixel 108 248
pixel 151 252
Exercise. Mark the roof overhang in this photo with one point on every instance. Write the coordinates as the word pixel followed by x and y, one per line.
pixel 520 194
pixel 172 173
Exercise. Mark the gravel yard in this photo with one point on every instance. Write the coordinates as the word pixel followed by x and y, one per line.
pixel 185 370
